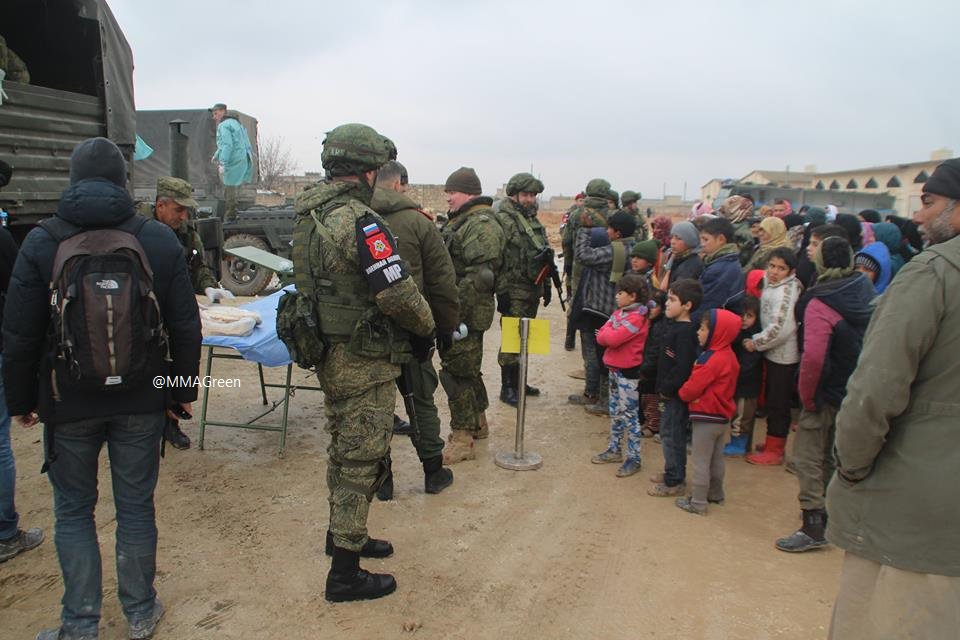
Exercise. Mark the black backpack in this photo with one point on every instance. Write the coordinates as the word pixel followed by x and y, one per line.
pixel 106 329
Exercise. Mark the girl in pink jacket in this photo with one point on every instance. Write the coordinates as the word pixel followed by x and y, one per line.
pixel 624 336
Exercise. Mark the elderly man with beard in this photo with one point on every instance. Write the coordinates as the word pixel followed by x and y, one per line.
pixel 892 503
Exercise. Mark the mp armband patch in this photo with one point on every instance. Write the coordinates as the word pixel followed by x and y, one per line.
pixel 379 259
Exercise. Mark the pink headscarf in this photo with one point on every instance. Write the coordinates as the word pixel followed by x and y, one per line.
pixel 701 208
pixel 787 211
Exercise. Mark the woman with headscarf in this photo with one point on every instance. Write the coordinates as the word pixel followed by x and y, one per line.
pixel 910 232
pixel 738 210
pixel 772 234
pixel 794 223
pixel 888 234
pixel 661 226
pixel 851 224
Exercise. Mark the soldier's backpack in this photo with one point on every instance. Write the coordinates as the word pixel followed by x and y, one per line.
pixel 106 331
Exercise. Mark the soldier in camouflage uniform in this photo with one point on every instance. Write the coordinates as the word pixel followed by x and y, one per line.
pixel 421 246
pixel 173 207
pixel 526 252
pixel 593 212
pixel 368 315
pixel 12 65
pixel 629 202
pixel 474 239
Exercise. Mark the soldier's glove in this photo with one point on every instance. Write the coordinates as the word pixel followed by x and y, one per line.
pixel 444 342
pixel 547 293
pixel 503 303
pixel 422 347
pixel 216 295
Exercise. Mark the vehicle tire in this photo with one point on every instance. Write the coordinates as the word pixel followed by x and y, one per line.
pixel 239 277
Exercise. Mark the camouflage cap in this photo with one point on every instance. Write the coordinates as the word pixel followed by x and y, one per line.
pixel 597 188
pixel 629 197
pixel 524 182
pixel 180 190
pixel 354 148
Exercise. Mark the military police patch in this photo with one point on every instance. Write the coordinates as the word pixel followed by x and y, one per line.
pixel 379 259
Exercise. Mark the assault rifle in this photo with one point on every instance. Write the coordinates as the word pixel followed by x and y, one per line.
pixel 549 268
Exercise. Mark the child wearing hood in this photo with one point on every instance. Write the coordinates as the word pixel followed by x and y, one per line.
pixel 874 262
pixel 649 400
pixel 709 392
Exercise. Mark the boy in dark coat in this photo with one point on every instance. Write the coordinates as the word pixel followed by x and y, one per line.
pixel 749 381
pixel 722 277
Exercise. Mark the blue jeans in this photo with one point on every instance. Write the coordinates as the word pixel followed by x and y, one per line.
pixel 9 520
pixel 133 446
pixel 673 438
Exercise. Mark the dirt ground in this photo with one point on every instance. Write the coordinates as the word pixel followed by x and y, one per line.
pixel 568 551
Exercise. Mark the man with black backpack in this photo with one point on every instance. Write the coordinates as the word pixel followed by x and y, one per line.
pixel 99 311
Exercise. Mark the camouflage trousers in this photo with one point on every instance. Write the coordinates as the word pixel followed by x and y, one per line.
pixel 624 408
pixel 230 194
pixel 360 428
pixel 521 308
pixel 462 380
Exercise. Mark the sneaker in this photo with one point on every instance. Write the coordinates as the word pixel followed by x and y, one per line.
pixel 60 634
pixel 661 490
pixel 144 628
pixel 598 409
pixel 607 456
pixel 687 505
pixel 628 468
pixel 22 541
pixel 581 398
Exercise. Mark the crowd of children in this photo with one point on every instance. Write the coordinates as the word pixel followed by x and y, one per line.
pixel 726 316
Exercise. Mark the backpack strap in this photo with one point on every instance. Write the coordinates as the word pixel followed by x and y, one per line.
pixel 59 229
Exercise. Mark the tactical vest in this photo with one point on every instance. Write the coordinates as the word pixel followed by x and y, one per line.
pixel 345 309
pixel 518 261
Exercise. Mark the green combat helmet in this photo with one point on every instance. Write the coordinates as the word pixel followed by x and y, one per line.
pixel 597 188
pixel 629 197
pixel 352 149
pixel 613 195
pixel 524 182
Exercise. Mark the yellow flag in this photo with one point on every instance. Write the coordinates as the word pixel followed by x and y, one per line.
pixel 538 340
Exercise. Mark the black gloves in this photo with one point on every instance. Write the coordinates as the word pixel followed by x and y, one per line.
pixel 422 347
pixel 503 303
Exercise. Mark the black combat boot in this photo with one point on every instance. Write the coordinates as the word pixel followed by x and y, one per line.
pixel 401 427
pixel 436 477
pixel 508 384
pixel 173 434
pixel 373 548
pixel 810 536
pixel 347 581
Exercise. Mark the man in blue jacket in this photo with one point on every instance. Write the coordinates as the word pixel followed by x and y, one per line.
pixel 78 422
pixel 722 278
pixel 234 155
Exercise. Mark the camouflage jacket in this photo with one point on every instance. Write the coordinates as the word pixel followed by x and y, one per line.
pixel 642 233
pixel 524 238
pixel 421 246
pixel 340 208
pixel 475 241
pixel 11 63
pixel 201 276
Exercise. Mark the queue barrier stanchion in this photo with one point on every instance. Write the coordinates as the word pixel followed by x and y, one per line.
pixel 519 459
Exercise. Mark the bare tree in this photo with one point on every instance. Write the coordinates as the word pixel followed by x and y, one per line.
pixel 275 162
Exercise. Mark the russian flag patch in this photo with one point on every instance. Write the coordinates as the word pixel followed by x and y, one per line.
pixel 371 229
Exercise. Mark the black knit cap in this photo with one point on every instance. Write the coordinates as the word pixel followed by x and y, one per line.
pixel 98 158
pixel 464 180
pixel 623 222
pixel 945 180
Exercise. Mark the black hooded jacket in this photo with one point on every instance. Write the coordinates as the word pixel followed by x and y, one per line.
pixel 94 203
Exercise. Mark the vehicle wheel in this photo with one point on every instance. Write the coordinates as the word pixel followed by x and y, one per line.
pixel 240 277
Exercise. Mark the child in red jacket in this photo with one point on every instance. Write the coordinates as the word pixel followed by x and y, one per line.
pixel 709 391
pixel 624 336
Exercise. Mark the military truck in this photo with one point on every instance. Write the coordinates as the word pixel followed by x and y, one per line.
pixel 81 85
pixel 845 201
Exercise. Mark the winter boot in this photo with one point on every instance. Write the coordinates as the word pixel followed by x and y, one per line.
pixel 459 447
pixel 372 548
pixel 810 536
pixel 436 478
pixel 484 431
pixel 737 447
pixel 347 581
pixel 508 384
pixel 772 452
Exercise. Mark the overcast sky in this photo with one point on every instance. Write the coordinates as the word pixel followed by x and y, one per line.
pixel 641 93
